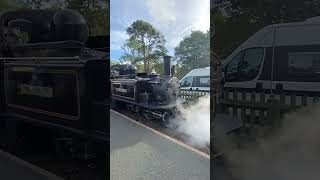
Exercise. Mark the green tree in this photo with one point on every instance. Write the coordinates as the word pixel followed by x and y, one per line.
pixel 96 12
pixel 182 70
pixel 131 52
pixel 194 51
pixel 146 42
pixel 112 62
pixel 158 67
pixel 245 17
pixel 270 11
pixel 9 5
pixel 230 32
pixel 3 6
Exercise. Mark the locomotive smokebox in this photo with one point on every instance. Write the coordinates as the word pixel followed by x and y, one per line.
pixel 167 65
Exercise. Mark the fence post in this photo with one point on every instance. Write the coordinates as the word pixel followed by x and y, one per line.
pixel 194 97
pixel 274 113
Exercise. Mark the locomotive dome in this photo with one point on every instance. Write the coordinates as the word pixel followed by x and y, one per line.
pixel 132 69
pixel 70 25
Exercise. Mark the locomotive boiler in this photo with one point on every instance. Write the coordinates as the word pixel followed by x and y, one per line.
pixel 52 78
pixel 149 94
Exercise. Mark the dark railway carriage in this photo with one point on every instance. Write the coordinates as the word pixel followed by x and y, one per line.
pixel 51 77
pixel 148 94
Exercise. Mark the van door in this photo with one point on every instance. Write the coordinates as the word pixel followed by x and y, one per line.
pixel 244 69
pixel 243 74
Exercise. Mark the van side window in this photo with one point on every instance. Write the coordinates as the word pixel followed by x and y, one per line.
pixel 245 66
pixel 202 81
pixel 304 62
pixel 187 81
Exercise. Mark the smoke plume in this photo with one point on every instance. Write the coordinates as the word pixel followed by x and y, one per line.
pixel 194 122
pixel 291 153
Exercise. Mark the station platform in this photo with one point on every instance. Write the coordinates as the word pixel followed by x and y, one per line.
pixel 139 152
pixel 13 168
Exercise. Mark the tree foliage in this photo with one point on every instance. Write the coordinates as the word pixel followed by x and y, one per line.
pixel 7 4
pixel 245 17
pixel 271 11
pixel 96 12
pixel 194 50
pixel 231 32
pixel 3 6
pixel 182 70
pixel 145 44
pixel 131 52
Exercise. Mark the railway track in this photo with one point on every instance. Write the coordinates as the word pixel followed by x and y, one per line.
pixel 158 126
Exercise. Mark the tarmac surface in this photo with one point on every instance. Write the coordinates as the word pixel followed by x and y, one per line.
pixel 137 152
pixel 13 168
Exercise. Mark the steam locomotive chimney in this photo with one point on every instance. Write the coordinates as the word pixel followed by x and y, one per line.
pixel 167 65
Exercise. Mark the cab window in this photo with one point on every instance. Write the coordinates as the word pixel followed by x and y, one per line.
pixel 187 82
pixel 245 66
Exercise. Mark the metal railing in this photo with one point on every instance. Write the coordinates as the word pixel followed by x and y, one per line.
pixel 192 95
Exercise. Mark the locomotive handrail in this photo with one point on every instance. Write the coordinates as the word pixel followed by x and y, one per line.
pixel 40 58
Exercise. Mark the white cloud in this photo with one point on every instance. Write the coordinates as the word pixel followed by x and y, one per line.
pixel 162 11
pixel 117 39
pixel 174 18
pixel 177 18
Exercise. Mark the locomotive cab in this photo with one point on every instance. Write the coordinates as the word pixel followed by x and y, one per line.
pixel 51 78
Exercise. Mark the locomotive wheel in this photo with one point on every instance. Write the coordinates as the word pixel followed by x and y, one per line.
pixel 165 117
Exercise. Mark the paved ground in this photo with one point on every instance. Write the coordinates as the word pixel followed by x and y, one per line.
pixel 139 153
pixel 220 172
pixel 12 168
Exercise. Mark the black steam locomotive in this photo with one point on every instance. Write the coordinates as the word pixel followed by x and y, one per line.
pixel 144 93
pixel 52 77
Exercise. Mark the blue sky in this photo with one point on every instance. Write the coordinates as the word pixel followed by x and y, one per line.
pixel 174 18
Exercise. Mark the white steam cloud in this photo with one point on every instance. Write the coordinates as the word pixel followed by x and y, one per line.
pixel 292 153
pixel 195 123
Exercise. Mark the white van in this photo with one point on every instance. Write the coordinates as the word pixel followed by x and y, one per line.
pixel 197 80
pixel 280 58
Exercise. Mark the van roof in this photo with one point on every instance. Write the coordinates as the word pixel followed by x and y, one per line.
pixel 304 33
pixel 207 68
pixel 203 71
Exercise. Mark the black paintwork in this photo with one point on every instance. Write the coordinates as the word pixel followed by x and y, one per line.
pixel 65 85
pixel 148 91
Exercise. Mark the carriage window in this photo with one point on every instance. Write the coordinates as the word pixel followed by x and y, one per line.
pixel 304 62
pixel 187 81
pixel 245 66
